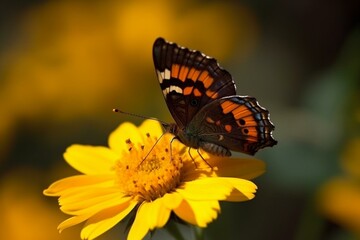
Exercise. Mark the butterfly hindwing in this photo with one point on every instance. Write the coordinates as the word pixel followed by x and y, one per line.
pixel 238 123
pixel 189 80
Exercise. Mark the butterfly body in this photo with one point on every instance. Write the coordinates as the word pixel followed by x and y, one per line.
pixel 202 99
pixel 190 136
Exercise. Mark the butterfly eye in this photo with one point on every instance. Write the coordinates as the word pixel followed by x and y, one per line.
pixel 194 102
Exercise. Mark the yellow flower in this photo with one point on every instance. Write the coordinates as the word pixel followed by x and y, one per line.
pixel 339 197
pixel 136 173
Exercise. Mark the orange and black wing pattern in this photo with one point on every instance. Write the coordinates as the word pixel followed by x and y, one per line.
pixel 238 123
pixel 202 99
pixel 189 80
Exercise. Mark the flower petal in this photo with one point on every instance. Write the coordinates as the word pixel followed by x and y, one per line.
pixel 245 168
pixel 75 183
pixel 151 126
pixel 94 204
pixel 89 194
pixel 172 200
pixel 140 225
pixel 159 213
pixel 151 215
pixel 198 213
pixel 80 218
pixel 91 160
pixel 206 189
pixel 73 221
pixel 244 190
pixel 106 219
pixel 118 138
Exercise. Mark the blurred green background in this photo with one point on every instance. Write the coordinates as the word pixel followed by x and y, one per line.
pixel 65 64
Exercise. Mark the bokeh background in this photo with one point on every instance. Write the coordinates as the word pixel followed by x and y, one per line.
pixel 65 64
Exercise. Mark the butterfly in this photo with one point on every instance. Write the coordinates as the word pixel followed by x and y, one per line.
pixel 202 99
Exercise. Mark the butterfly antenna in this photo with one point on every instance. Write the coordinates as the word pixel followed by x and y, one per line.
pixel 165 125
pixel 116 110
pixel 157 140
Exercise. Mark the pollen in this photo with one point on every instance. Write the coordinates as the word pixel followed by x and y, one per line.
pixel 148 170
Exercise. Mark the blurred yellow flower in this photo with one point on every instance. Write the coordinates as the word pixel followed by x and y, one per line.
pixel 340 197
pixel 75 58
pixel 24 213
pixel 351 159
pixel 192 23
pixel 135 174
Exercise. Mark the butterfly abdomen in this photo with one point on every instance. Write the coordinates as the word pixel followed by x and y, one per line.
pixel 215 149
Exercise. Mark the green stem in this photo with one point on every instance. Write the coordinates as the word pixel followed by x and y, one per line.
pixel 174 231
pixel 199 233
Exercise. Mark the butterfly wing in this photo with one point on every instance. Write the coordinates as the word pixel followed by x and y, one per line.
pixel 189 80
pixel 237 123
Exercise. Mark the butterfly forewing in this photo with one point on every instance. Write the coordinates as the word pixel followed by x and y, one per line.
pixel 189 80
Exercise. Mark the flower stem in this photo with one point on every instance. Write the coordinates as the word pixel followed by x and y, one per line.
pixel 173 229
pixel 199 233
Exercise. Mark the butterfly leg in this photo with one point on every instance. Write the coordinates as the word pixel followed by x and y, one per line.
pixel 198 151
pixel 174 138
pixel 189 152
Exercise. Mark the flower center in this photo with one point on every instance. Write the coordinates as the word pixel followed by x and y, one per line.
pixel 148 171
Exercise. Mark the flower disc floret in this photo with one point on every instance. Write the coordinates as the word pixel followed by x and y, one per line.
pixel 145 171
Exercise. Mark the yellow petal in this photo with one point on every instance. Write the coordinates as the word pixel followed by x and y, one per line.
pixel 106 219
pixel 154 214
pixel 76 220
pixel 243 190
pixel 192 169
pixel 140 225
pixel 99 206
pixel 172 200
pixel 75 183
pixel 91 160
pixel 151 126
pixel 206 189
pixel 245 168
pixel 92 204
pixel 157 214
pixel 73 221
pixel 198 213
pixel 88 194
pixel 118 138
